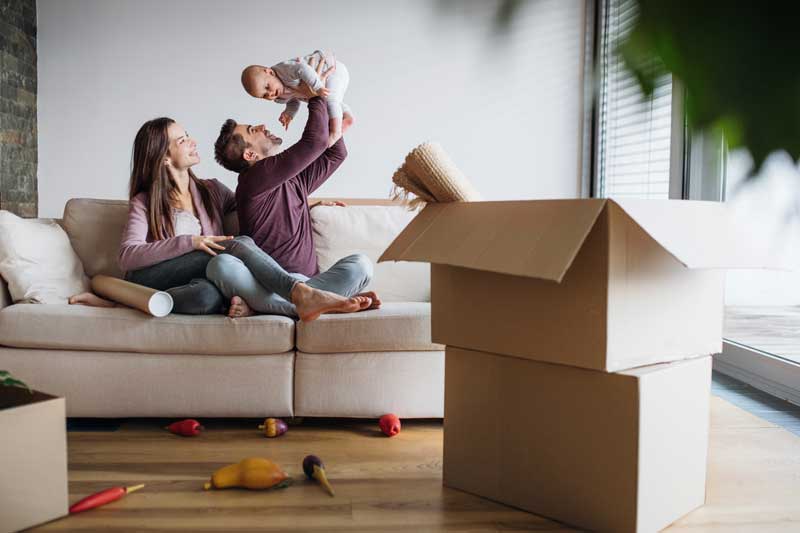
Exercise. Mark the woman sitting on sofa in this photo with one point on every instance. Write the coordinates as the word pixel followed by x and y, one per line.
pixel 174 232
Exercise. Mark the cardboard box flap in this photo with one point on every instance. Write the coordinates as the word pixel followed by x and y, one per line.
pixel 536 239
pixel 698 234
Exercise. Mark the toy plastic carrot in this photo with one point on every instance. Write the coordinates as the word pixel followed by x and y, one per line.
pixel 101 498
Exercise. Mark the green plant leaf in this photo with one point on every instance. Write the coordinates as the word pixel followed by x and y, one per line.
pixel 738 62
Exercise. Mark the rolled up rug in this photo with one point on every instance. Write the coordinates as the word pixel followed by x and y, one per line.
pixel 430 175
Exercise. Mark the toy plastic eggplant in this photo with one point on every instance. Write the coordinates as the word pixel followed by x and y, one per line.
pixel 315 469
pixel 273 427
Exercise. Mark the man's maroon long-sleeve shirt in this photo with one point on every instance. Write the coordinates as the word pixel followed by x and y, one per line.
pixel 272 195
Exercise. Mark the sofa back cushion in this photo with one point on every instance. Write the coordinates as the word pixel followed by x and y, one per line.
pixel 366 229
pixel 95 229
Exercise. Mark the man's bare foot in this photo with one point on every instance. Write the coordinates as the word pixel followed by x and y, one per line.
pixel 347 122
pixel 376 302
pixel 310 302
pixel 239 308
pixel 90 299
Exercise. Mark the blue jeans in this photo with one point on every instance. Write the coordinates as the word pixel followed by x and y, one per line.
pixel 262 284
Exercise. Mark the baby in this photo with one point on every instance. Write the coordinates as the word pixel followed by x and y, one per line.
pixel 280 82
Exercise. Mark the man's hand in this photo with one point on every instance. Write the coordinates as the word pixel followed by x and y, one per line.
pixel 207 242
pixel 324 75
pixel 307 91
pixel 329 204
pixel 285 119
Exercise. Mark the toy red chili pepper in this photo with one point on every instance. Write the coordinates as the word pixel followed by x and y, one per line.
pixel 389 424
pixel 186 428
pixel 101 498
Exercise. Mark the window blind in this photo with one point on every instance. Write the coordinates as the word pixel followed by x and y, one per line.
pixel 633 132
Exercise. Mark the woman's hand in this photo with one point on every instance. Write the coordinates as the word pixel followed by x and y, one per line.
pixel 208 243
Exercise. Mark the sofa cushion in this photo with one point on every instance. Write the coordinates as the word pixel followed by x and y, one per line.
pixel 366 229
pixel 37 261
pixel 120 329
pixel 396 326
pixel 95 230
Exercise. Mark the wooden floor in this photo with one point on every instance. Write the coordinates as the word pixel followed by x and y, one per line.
pixel 771 329
pixel 387 484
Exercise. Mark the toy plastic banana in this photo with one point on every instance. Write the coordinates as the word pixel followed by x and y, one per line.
pixel 254 473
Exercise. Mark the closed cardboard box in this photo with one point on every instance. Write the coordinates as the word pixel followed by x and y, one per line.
pixel 597 284
pixel 601 451
pixel 33 458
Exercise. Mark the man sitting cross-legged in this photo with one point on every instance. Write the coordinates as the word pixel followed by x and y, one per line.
pixel 272 204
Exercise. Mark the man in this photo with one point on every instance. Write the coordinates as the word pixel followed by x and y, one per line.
pixel 272 204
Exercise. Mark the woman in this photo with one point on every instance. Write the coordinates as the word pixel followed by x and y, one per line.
pixel 174 230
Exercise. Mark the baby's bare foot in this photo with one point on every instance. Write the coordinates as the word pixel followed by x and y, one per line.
pixel 347 122
pixel 310 302
pixel 90 299
pixel 239 308
pixel 376 302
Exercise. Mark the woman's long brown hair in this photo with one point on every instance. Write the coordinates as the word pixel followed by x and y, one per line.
pixel 150 174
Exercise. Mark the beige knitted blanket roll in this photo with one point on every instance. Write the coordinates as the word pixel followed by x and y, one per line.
pixel 430 175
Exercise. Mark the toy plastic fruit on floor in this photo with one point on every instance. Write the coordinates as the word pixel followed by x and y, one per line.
pixel 273 427
pixel 253 473
pixel 389 424
pixel 101 498
pixel 314 469
pixel 186 428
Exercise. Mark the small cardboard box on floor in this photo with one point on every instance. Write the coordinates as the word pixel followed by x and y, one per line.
pixel 600 284
pixel 33 458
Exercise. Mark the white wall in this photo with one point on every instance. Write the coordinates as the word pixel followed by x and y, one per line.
pixel 508 114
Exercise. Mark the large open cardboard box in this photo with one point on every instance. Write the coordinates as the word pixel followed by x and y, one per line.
pixel 602 451
pixel 597 284
pixel 33 458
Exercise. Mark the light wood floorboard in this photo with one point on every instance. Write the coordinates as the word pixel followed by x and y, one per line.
pixel 771 329
pixel 386 484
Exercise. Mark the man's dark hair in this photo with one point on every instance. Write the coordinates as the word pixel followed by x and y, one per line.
pixel 229 148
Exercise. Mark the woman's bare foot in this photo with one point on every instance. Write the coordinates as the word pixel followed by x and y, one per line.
pixel 90 299
pixel 239 308
pixel 376 302
pixel 310 302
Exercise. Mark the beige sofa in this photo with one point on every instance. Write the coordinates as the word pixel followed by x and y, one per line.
pixel 122 363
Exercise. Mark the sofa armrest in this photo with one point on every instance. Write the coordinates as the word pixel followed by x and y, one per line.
pixel 5 297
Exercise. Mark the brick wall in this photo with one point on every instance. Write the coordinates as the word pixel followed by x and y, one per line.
pixel 18 145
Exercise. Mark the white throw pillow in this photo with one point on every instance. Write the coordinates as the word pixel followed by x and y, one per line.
pixel 341 231
pixel 38 262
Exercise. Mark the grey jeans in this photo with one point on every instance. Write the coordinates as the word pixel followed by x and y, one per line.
pixel 255 281
pixel 184 277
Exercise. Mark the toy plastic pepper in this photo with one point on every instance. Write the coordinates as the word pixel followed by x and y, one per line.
pixel 186 428
pixel 389 424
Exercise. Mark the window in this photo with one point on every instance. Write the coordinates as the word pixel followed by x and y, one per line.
pixel 634 134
